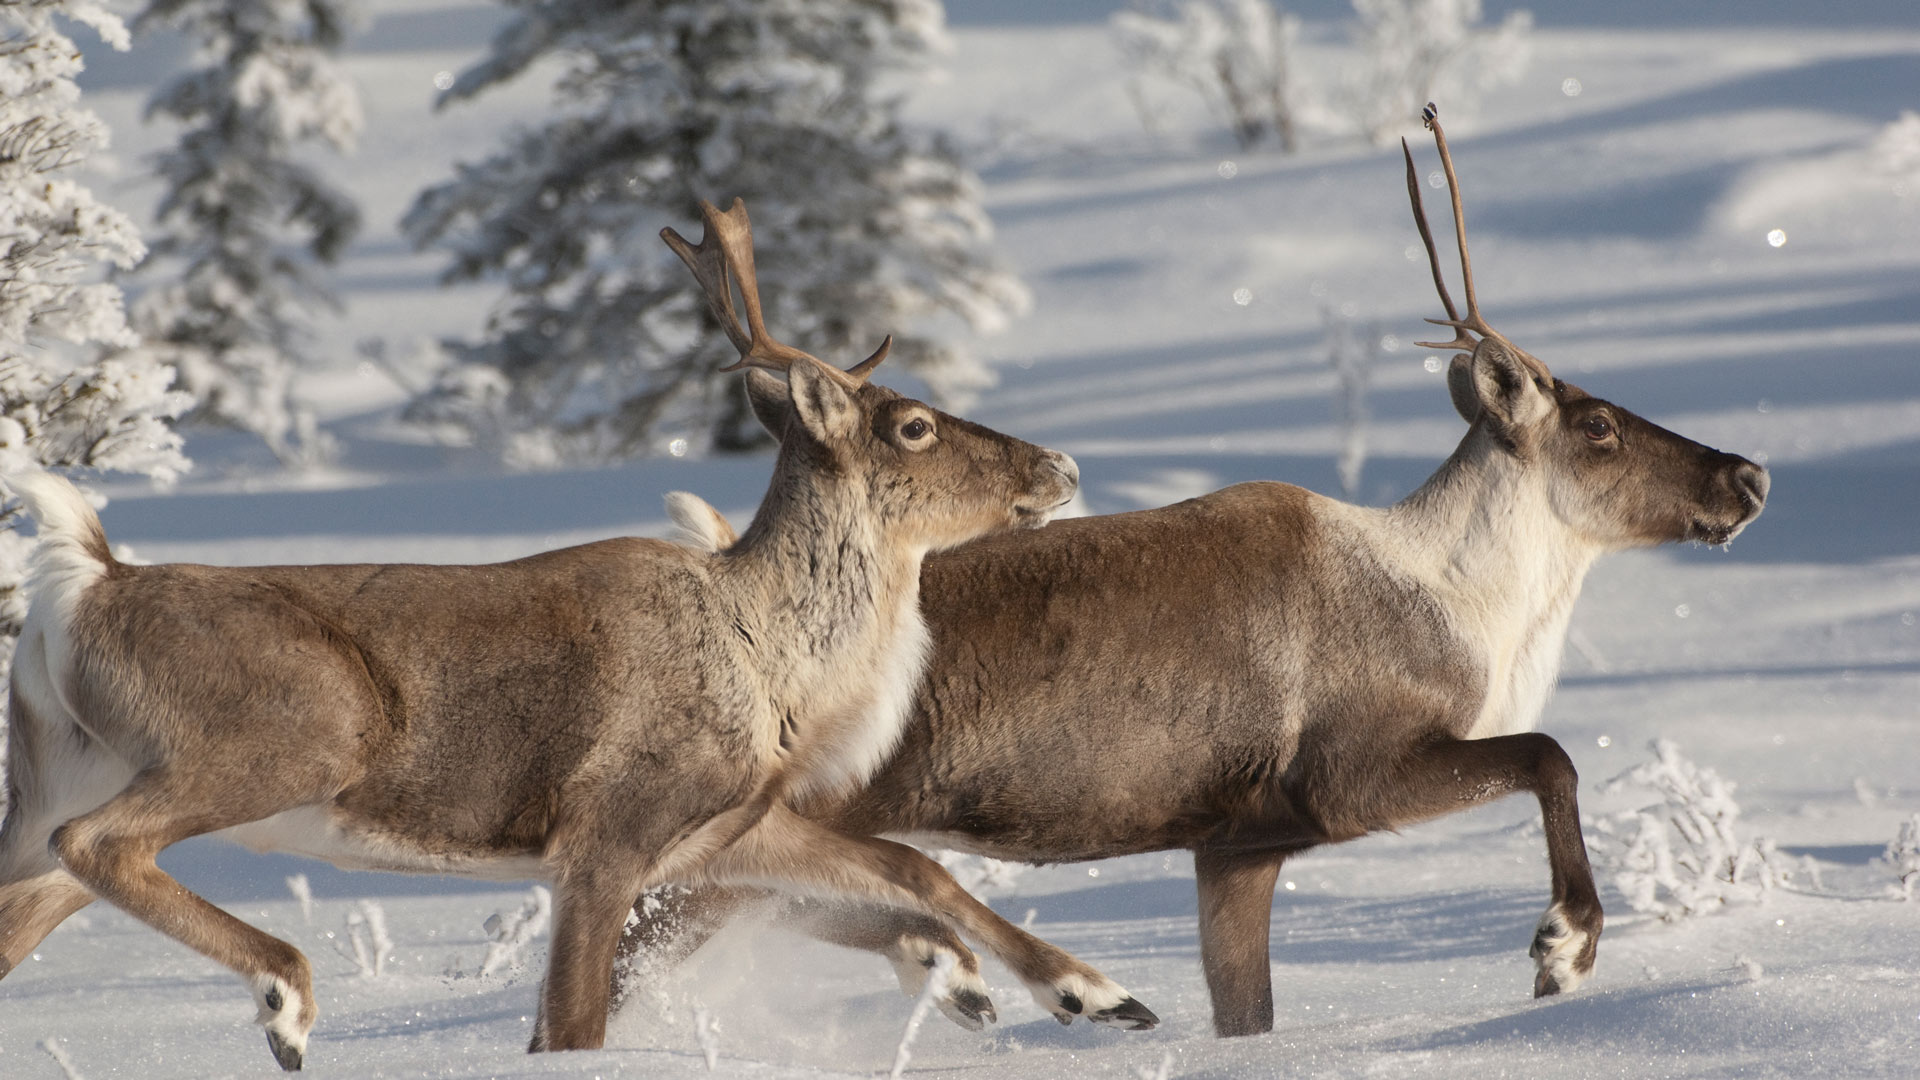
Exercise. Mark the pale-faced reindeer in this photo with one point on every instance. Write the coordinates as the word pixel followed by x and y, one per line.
pixel 602 717
pixel 1261 671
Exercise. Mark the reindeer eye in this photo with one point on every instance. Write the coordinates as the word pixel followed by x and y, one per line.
pixel 915 429
pixel 1598 427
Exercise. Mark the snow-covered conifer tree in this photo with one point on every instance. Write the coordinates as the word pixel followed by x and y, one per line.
pixel 233 276
pixel 61 404
pixel 1416 51
pixel 601 348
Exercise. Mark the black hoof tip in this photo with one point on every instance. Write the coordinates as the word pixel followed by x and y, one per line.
pixel 285 1053
pixel 1545 985
pixel 1130 1015
pixel 1066 1019
pixel 972 1010
pixel 1072 1004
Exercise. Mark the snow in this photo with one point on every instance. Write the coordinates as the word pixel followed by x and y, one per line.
pixel 1619 234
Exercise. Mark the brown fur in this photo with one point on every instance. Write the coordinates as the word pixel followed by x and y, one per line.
pixel 1262 670
pixel 605 716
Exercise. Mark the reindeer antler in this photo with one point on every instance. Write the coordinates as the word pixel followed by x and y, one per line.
pixel 723 258
pixel 1474 323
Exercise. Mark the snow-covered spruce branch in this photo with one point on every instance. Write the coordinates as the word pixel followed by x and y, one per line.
pixel 1236 54
pixel 1681 855
pixel 234 276
pixel 601 348
pixel 61 403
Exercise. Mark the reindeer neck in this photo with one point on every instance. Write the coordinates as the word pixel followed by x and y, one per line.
pixel 819 584
pixel 1487 539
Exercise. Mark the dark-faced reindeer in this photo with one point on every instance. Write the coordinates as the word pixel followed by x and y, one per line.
pixel 603 717
pixel 1261 671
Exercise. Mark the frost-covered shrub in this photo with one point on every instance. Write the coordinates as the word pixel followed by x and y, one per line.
pixel 368 939
pixel 1236 54
pixel 1416 51
pixel 245 219
pixel 602 348
pixel 509 933
pixel 977 872
pixel 1681 855
pixel 61 403
pixel 1903 857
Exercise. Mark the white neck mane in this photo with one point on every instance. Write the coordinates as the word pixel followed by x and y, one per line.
pixel 1484 536
pixel 832 606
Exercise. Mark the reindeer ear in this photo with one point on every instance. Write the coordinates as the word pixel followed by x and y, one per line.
pixel 770 401
pixel 822 401
pixel 1503 386
pixel 1460 387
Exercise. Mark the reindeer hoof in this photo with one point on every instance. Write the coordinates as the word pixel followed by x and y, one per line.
pixel 288 1055
pixel 971 1009
pixel 1562 954
pixel 1129 1015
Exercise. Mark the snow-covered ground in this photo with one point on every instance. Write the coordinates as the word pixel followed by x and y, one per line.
pixel 1621 234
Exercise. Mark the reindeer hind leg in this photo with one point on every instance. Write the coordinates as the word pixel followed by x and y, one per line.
pixel 55 772
pixel 111 851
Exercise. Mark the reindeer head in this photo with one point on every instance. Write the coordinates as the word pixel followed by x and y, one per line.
pixel 933 480
pixel 1613 477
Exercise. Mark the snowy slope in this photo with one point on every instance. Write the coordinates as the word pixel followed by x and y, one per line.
pixel 1620 234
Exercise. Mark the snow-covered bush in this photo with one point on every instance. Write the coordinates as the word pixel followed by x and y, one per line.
pixel 245 221
pixel 1680 855
pixel 1236 54
pixel 1903 857
pixel 1416 51
pixel 602 348
pixel 367 937
pixel 509 933
pixel 977 872
pixel 61 403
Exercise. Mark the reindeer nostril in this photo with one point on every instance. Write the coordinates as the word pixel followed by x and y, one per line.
pixel 1066 467
pixel 1751 481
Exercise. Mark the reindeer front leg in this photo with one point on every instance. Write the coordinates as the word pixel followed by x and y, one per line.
pixel 1455 774
pixel 666 929
pixel 788 849
pixel 1236 912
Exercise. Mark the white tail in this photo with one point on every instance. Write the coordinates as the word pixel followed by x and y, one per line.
pixel 604 717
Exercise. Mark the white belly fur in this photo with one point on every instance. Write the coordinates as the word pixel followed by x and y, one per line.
pixel 315 832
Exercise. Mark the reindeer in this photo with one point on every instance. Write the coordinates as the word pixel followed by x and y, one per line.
pixel 602 717
pixel 1260 671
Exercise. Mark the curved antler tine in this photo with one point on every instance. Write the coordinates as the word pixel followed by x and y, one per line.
pixel 736 239
pixel 1461 339
pixel 707 263
pixel 1431 117
pixel 1426 233
pixel 1474 322
pixel 864 368
pixel 724 258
